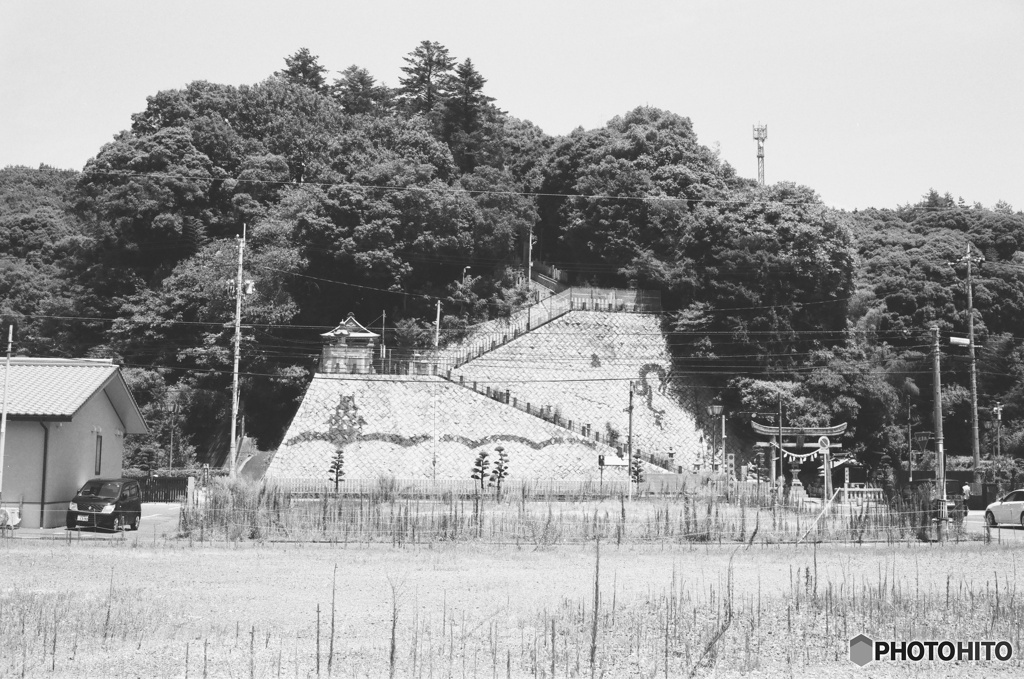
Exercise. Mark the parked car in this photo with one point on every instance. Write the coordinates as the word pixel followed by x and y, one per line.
pixel 111 504
pixel 1009 509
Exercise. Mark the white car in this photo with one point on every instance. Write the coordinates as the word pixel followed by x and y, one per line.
pixel 1009 509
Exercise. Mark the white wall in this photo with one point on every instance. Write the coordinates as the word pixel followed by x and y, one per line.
pixel 70 460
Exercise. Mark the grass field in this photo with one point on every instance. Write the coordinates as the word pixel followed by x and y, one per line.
pixel 388 514
pixel 129 608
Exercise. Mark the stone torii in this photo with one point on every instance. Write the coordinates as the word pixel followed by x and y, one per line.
pixel 792 441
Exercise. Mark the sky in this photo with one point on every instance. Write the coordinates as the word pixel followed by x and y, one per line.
pixel 869 102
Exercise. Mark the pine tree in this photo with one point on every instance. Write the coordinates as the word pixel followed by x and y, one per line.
pixel 500 472
pixel 480 469
pixel 337 468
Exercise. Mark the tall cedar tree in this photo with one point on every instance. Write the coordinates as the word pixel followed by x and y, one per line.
pixel 465 111
pixel 358 92
pixel 304 69
pixel 427 77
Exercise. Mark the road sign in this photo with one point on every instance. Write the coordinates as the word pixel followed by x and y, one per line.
pixel 823 442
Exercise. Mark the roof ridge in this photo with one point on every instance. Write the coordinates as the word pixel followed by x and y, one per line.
pixel 77 362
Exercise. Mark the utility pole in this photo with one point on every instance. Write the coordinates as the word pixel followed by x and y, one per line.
pixel 629 446
pixel 529 257
pixel 3 415
pixel 174 421
pixel 998 411
pixel 781 458
pixel 969 259
pixel 910 441
pixel 760 134
pixel 437 325
pixel 234 373
pixel 940 456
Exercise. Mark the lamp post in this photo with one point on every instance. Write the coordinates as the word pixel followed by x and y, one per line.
pixel 464 270
pixel 716 410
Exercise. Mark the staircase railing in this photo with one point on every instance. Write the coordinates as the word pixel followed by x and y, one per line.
pixel 551 414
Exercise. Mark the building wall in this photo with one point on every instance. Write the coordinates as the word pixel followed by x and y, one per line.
pixel 70 461
pixel 72 455
pixel 347 359
pixel 23 472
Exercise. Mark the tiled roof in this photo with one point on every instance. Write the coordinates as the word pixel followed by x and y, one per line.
pixel 350 327
pixel 54 388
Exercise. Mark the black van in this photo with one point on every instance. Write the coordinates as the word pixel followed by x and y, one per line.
pixel 112 504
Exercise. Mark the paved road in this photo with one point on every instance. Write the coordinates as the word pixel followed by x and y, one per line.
pixel 159 520
pixel 1010 533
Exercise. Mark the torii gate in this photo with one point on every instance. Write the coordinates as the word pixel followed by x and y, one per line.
pixel 792 440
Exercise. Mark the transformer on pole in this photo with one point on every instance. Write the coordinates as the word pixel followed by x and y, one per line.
pixel 760 134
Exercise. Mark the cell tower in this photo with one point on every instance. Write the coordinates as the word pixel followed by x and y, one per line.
pixel 760 134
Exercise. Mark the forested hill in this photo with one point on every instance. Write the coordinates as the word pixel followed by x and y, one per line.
pixel 360 197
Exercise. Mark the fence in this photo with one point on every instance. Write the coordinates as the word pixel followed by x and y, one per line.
pixel 493 334
pixel 443 488
pixel 860 496
pixel 164 488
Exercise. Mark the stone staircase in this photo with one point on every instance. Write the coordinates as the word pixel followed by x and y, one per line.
pixel 447 362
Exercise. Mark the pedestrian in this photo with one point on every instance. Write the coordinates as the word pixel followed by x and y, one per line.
pixel 966 490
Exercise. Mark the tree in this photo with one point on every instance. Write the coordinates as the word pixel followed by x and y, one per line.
pixel 630 185
pixel 466 109
pixel 359 94
pixel 480 467
pixel 427 77
pixel 500 472
pixel 303 68
pixel 337 468
pixel 636 472
pixel 150 200
pixel 768 276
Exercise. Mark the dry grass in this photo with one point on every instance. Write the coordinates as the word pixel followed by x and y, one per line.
pixel 125 609
pixel 391 516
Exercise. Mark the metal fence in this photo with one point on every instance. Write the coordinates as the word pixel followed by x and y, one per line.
pixel 164 488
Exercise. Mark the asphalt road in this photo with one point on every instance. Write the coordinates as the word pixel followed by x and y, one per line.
pixel 159 521
pixel 1009 533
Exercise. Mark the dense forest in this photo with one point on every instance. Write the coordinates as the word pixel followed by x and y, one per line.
pixel 358 197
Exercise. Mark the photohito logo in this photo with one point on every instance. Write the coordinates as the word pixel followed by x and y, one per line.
pixel 864 649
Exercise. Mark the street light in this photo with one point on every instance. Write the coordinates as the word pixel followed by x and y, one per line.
pixel 716 410
pixel 464 270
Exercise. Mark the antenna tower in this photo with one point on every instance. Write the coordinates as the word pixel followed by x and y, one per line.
pixel 760 134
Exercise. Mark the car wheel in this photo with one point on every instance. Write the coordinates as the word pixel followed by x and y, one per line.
pixel 990 519
pixel 136 522
pixel 117 525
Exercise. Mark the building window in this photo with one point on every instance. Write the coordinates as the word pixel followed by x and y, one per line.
pixel 99 453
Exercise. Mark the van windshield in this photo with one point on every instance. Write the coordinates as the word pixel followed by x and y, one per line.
pixel 101 489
